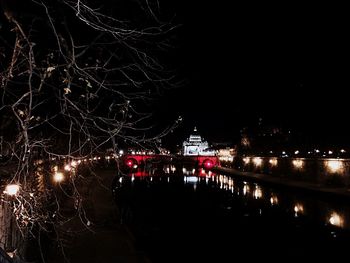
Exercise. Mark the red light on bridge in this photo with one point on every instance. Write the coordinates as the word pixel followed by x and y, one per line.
pixel 208 164
pixel 130 163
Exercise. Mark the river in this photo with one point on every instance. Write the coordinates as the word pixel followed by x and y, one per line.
pixel 179 214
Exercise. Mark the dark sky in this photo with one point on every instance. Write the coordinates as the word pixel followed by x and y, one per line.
pixel 288 64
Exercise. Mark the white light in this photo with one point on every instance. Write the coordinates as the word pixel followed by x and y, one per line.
pixel 246 189
pixel 273 161
pixel 230 182
pixel 67 168
pixel 316 150
pixel 257 161
pixel 191 179
pixel 12 189
pixel 257 192
pixel 73 163
pixel 246 160
pixel 298 209
pixel 336 220
pixel 283 152
pixel 274 200
pixel 330 152
pixel 334 165
pixel 58 177
pixel 298 163
pixel 121 152
pixel 296 152
pixel 342 151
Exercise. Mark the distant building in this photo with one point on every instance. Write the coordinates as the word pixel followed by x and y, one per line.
pixel 196 146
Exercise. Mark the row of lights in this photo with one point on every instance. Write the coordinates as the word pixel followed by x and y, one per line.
pixel 314 151
pixel 226 158
pixel 95 158
pixel 332 165
pixel 227 183
pixel 58 177
pixel 144 153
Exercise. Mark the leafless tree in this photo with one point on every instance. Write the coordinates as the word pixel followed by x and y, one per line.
pixel 76 77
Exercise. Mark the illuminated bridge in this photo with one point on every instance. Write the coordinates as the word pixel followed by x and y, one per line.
pixel 136 160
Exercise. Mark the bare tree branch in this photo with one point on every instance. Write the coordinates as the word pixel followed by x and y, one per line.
pixel 74 80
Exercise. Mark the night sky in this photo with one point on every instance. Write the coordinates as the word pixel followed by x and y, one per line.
pixel 287 64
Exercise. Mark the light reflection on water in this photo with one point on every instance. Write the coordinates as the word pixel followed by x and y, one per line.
pixel 298 209
pixel 336 219
pixel 322 212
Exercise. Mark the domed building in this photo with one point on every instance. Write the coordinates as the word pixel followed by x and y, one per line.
pixel 196 146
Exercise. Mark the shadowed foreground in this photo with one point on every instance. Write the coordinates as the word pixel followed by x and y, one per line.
pixel 109 241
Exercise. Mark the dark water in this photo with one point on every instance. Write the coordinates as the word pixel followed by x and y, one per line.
pixel 182 215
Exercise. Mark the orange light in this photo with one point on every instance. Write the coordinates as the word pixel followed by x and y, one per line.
pixel 58 177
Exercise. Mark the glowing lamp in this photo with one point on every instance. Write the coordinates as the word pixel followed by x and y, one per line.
pixel 12 189
pixel 273 161
pixel 298 209
pixel 257 193
pixel 334 166
pixel 67 167
pixel 274 200
pixel 58 177
pixel 298 164
pixel 129 163
pixel 246 160
pixel 208 164
pixel 257 161
pixel 336 220
pixel 246 189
